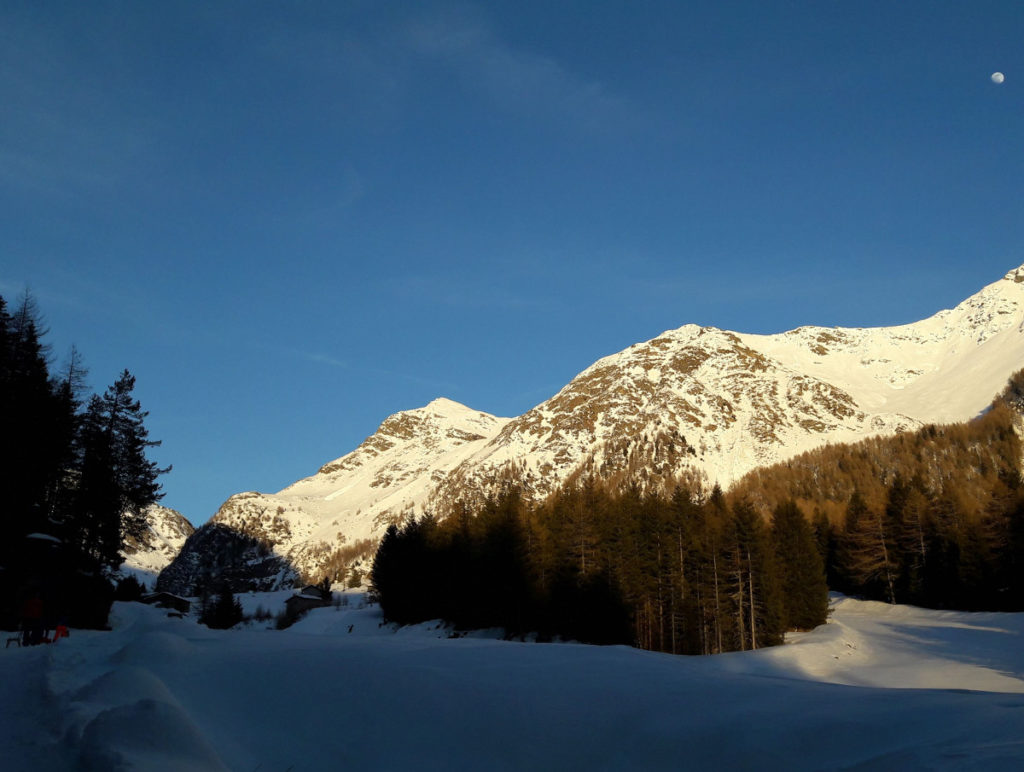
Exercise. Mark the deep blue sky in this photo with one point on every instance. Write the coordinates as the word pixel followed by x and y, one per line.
pixel 291 220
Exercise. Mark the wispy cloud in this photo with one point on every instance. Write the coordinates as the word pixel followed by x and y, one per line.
pixel 332 361
pixel 324 359
pixel 515 79
pixel 377 62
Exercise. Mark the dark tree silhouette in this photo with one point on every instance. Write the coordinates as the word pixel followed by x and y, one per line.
pixel 801 568
pixel 74 482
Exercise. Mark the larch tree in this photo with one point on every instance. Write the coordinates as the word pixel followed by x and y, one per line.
pixel 868 544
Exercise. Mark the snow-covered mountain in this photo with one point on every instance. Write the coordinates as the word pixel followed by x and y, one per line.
pixel 165 535
pixel 353 498
pixel 694 402
pixel 722 403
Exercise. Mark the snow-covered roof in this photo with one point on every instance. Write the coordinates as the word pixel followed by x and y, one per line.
pixel 155 595
pixel 44 537
pixel 309 594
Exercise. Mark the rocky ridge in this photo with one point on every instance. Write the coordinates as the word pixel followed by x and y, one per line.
pixel 165 535
pixel 694 403
pixel 328 518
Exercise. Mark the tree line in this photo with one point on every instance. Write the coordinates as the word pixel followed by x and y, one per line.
pixel 931 548
pixel 675 573
pixel 75 476
pixel 933 517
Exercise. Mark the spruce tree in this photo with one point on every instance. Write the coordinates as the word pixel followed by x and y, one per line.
pixel 77 476
pixel 802 572
pixel 68 388
pixel 30 443
pixel 759 610
pixel 223 613
pixel 117 480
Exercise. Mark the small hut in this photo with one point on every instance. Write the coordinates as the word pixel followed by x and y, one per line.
pixel 168 601
pixel 310 596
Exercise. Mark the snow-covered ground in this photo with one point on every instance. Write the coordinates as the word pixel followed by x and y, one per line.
pixel 879 687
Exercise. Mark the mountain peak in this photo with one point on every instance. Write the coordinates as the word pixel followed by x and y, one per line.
pixel 446 404
pixel 448 408
pixel 695 404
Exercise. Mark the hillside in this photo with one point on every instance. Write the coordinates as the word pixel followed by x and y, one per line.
pixel 697 403
pixel 972 460
pixel 718 404
pixel 336 514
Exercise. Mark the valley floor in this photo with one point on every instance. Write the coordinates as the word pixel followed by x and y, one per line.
pixel 878 687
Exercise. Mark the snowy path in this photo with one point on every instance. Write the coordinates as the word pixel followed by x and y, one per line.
pixel 877 688
pixel 29 716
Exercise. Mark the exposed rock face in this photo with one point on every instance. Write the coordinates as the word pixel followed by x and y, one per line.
pixel 216 556
pixel 726 403
pixel 696 402
pixel 162 541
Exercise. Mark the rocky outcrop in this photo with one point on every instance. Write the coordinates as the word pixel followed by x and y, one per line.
pixel 165 534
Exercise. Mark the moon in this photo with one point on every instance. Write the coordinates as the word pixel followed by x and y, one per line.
pixel 998 77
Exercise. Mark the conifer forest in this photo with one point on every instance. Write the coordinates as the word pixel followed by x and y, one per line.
pixel 933 517
pixel 75 476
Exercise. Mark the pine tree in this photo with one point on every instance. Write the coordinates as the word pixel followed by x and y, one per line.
pixel 223 613
pixel 94 524
pixel 31 446
pixel 117 480
pixel 804 590
pixel 755 589
pixel 827 541
pixel 68 388
pixel 64 473
pixel 685 534
pixel 713 557
pixel 385 579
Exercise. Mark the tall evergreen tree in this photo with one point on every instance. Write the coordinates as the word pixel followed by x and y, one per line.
pixel 117 480
pixel 801 568
pixel 30 442
pixel 755 590
pixel 68 388
pixel 224 613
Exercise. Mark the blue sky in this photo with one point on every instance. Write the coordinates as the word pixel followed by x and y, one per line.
pixel 292 220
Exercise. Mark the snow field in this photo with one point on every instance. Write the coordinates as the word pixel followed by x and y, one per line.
pixel 878 687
